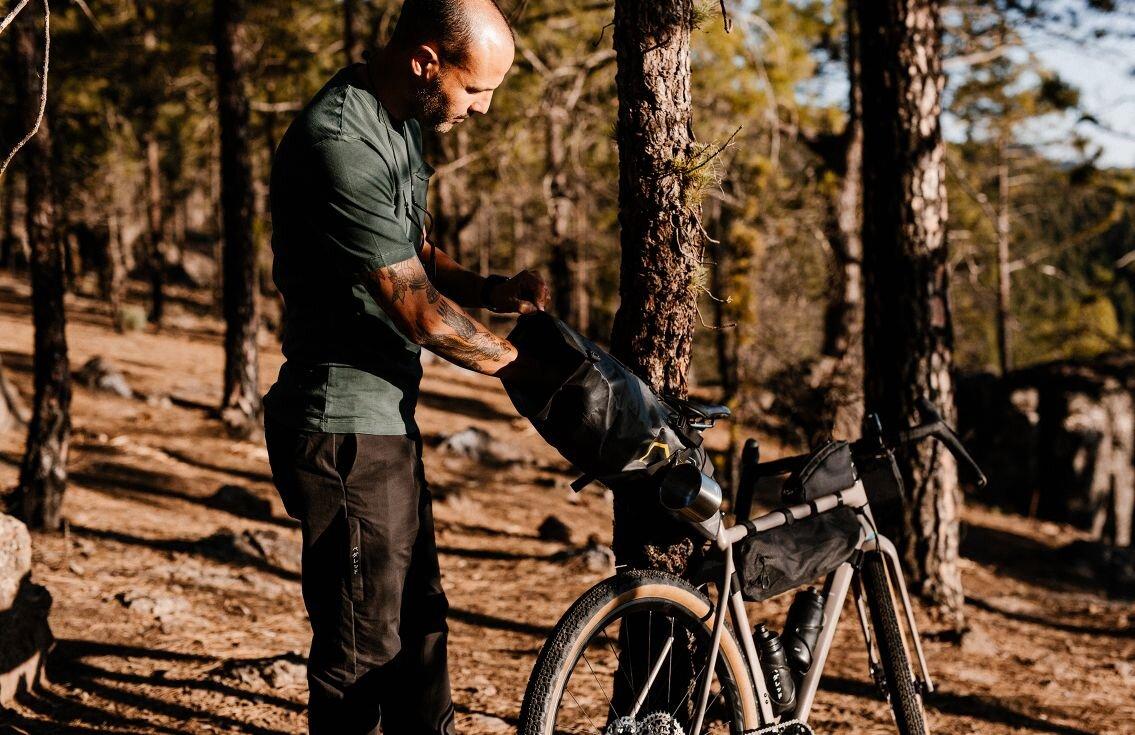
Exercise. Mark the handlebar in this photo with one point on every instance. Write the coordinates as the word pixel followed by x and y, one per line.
pixel 934 426
pixel 874 440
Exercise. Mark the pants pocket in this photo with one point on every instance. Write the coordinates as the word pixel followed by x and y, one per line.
pixel 355 559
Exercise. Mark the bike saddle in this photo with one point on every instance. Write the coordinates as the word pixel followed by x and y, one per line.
pixel 697 411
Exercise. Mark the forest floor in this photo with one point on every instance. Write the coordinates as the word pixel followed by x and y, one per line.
pixel 177 613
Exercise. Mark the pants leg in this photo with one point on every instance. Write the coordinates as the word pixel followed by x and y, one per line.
pixel 370 581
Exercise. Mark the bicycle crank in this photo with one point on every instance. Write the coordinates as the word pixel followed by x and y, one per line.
pixel 656 723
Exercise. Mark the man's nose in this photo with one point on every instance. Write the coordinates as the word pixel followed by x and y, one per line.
pixel 481 104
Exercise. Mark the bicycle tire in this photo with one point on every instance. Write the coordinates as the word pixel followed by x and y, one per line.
pixel 591 613
pixel 905 701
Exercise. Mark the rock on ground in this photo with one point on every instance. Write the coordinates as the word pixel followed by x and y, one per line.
pixel 98 374
pixel 15 558
pixel 24 607
pixel 479 445
pixel 553 529
pixel 278 672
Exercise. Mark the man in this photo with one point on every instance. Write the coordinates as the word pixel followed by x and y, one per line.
pixel 364 292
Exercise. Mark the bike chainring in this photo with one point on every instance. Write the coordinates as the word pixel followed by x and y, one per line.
pixel 656 723
pixel 791 727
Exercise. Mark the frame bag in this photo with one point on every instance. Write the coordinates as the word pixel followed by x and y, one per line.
pixel 792 555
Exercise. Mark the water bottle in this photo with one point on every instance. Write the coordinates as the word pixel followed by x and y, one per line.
pixel 802 629
pixel 781 688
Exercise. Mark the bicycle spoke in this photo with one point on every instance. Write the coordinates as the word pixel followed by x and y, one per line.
pixel 681 653
pixel 585 713
pixel 630 684
pixel 602 690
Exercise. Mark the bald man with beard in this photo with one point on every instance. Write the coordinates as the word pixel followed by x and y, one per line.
pixel 364 291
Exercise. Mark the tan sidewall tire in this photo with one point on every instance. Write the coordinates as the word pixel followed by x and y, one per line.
pixel 579 623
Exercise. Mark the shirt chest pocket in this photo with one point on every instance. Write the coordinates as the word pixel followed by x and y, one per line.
pixel 412 196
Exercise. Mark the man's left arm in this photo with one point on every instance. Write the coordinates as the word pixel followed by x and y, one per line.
pixel 523 293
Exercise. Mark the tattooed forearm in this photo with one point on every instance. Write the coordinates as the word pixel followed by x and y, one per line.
pixel 436 322
pixel 406 277
pixel 468 352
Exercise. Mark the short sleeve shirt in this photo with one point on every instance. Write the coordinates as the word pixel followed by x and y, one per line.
pixel 348 192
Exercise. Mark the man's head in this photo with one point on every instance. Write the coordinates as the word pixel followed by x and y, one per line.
pixel 456 53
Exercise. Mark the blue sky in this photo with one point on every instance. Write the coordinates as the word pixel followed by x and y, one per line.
pixel 1104 71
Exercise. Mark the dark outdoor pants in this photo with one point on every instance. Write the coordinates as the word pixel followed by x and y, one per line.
pixel 371 581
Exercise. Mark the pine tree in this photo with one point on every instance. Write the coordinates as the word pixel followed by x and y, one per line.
pixel 38 498
pixel 240 403
pixel 908 334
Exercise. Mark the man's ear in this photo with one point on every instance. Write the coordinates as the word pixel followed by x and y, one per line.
pixel 425 62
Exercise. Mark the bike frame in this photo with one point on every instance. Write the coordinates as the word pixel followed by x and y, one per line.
pixel 730 603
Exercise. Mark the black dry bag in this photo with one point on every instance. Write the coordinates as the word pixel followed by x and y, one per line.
pixel 598 414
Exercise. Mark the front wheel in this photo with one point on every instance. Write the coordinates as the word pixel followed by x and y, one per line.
pixel 906 703
pixel 630 656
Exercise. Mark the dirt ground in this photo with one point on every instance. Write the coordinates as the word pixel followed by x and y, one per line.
pixel 168 622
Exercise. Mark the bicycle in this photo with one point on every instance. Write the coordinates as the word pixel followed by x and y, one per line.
pixel 601 669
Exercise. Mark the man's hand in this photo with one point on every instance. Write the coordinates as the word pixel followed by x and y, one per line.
pixel 524 293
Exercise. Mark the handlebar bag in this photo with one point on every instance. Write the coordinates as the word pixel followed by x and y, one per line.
pixel 598 414
pixel 790 556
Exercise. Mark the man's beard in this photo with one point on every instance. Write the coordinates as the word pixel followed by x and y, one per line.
pixel 432 107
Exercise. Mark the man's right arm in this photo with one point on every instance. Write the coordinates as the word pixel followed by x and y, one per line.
pixel 435 322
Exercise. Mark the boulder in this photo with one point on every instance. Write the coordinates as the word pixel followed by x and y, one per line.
pixel 1057 441
pixel 553 529
pixel 25 636
pixel 15 558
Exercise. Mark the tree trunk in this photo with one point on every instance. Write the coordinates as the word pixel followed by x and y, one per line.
pixel 840 369
pixel 38 498
pixel 13 245
pixel 660 237
pixel 568 291
pixel 1004 356
pixel 908 339
pixel 240 403
pixel 455 205
pixel 8 217
pixel 13 412
pixel 155 257
pixel 114 277
pixel 350 39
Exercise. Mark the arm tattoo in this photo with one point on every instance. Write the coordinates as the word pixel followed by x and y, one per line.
pixel 468 353
pixel 408 276
pixel 471 345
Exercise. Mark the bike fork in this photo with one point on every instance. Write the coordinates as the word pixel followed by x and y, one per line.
pixel 894 569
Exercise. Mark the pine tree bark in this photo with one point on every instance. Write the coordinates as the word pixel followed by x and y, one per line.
pixel 38 498
pixel 839 372
pixel 568 288
pixel 240 403
pixel 908 338
pixel 660 238
pixel 156 256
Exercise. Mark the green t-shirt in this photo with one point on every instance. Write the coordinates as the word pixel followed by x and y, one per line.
pixel 348 192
